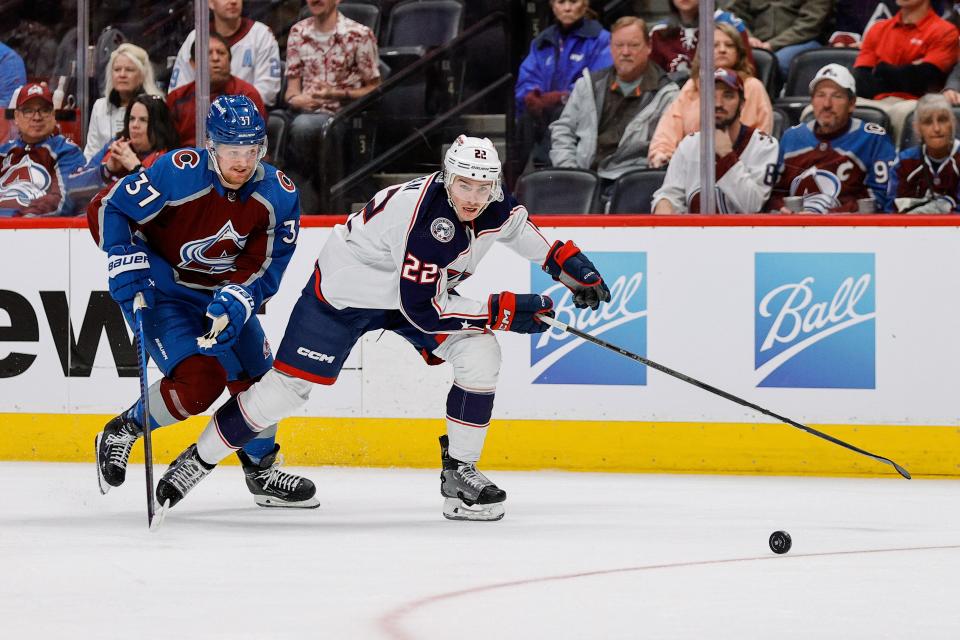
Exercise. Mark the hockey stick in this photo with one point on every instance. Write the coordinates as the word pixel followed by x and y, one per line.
pixel 139 304
pixel 553 322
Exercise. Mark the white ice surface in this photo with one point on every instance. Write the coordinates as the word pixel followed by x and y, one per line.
pixel 577 556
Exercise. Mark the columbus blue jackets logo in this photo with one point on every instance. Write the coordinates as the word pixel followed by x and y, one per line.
pixel 815 320
pixel 442 229
pixel 557 357
pixel 24 182
pixel 213 254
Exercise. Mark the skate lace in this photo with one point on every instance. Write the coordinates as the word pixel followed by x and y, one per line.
pixel 186 476
pixel 278 479
pixel 120 444
pixel 469 474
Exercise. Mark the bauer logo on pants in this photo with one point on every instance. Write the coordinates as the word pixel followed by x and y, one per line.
pixel 557 357
pixel 815 320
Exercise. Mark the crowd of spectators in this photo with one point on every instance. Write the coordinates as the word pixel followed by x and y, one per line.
pixel 607 101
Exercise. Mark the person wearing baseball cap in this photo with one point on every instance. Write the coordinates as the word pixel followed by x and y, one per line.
pixel 835 159
pixel 746 159
pixel 36 169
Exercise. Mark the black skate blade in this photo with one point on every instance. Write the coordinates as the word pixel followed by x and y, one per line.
pixel 101 482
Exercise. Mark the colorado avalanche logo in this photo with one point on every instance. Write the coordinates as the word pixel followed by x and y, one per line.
pixel 285 182
pixel 815 180
pixel 442 229
pixel 213 254
pixel 186 158
pixel 24 182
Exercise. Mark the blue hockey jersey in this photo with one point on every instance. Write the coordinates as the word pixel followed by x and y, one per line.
pixel 843 167
pixel 200 235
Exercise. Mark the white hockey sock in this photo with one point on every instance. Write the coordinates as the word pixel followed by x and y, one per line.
pixel 466 442
pixel 273 397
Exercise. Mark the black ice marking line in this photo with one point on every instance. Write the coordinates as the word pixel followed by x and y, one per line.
pixel 553 322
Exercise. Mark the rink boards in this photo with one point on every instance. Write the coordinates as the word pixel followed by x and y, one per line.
pixel 849 326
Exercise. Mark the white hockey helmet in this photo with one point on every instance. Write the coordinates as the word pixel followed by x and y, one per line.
pixel 474 158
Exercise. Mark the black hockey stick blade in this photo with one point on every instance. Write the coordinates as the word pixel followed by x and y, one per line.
pixel 139 304
pixel 553 322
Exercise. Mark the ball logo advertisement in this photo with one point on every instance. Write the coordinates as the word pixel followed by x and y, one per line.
pixel 815 320
pixel 557 357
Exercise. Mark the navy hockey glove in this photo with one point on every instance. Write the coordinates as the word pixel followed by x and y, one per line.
pixel 567 264
pixel 519 312
pixel 232 304
pixel 129 272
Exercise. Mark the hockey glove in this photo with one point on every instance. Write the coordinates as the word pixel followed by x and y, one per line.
pixel 129 272
pixel 566 263
pixel 232 306
pixel 519 312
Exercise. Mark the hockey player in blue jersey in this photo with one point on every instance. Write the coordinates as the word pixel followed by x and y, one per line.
pixel 205 235
pixel 835 159
pixel 394 265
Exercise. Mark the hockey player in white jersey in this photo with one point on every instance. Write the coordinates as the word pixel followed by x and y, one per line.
pixel 394 265
pixel 746 160
pixel 254 52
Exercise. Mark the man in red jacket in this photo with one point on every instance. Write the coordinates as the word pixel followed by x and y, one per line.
pixel 182 101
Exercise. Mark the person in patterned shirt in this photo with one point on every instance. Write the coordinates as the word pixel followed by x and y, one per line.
pixel 331 60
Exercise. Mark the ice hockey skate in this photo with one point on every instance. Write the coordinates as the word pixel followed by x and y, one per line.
pixel 112 450
pixel 183 475
pixel 272 487
pixel 467 493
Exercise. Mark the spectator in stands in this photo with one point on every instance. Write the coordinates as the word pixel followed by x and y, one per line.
pixel 331 61
pixel 746 160
pixel 834 160
pixel 254 52
pixel 557 58
pixel 35 168
pixel 148 132
pixel 853 18
pixel 682 117
pixel 607 122
pixel 182 101
pixel 674 41
pixel 12 75
pixel 903 58
pixel 129 73
pixel 785 27
pixel 926 178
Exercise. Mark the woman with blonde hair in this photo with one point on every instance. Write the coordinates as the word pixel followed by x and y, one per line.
pixel 926 178
pixel 129 73
pixel 682 117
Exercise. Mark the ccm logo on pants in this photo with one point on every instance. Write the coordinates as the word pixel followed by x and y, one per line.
pixel 313 355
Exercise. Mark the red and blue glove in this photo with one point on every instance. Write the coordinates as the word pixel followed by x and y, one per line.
pixel 128 269
pixel 236 303
pixel 519 312
pixel 567 264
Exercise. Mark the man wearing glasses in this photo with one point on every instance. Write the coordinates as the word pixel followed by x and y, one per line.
pixel 35 168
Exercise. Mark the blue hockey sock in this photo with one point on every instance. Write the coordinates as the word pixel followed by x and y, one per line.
pixel 261 445
pixel 134 413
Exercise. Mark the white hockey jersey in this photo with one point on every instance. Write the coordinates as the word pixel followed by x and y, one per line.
pixel 254 57
pixel 744 177
pixel 407 250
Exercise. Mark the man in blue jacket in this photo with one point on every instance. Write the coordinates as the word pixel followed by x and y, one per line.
pixel 557 58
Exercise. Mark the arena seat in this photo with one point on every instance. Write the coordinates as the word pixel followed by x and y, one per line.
pixel 559 191
pixel 796 90
pixel 633 191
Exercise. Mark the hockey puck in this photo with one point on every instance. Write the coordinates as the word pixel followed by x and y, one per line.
pixel 780 542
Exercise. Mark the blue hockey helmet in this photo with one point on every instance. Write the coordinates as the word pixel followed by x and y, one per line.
pixel 235 120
